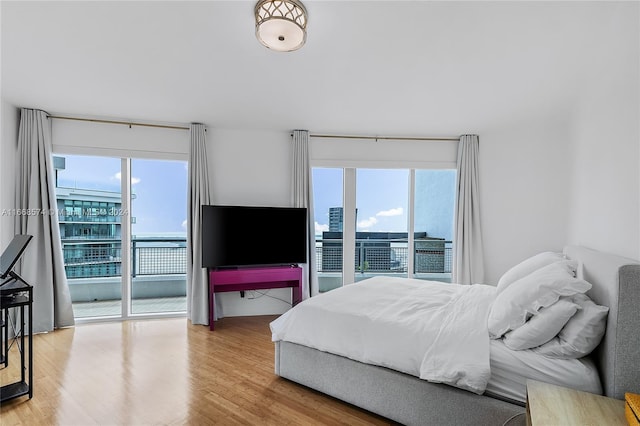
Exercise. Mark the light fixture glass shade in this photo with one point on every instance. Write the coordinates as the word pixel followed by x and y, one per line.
pixel 281 24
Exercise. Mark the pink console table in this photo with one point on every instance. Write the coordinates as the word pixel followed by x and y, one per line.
pixel 254 279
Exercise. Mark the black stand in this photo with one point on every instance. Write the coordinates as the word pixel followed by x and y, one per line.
pixel 16 294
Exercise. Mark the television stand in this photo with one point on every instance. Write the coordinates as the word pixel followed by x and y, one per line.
pixel 243 279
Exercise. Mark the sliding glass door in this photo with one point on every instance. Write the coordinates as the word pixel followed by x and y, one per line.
pixel 123 232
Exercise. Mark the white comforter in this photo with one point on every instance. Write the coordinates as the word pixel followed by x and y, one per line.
pixel 431 330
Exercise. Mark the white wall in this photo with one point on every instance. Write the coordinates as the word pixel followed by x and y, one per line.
pixel 524 191
pixel 604 211
pixel 249 167
pixel 572 178
pixel 8 143
pixel 605 146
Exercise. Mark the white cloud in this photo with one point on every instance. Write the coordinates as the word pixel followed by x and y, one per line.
pixel 118 176
pixel 367 223
pixel 320 228
pixel 392 212
pixel 184 224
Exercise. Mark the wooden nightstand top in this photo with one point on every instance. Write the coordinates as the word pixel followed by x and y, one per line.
pixel 555 405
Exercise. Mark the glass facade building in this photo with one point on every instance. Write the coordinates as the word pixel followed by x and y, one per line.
pixel 90 231
pixel 335 219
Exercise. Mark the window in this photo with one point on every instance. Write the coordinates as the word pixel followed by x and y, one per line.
pixel 402 223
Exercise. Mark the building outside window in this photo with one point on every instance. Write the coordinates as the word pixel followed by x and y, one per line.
pixel 90 249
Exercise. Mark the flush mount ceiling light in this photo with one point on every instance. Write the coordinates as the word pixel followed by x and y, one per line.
pixel 281 24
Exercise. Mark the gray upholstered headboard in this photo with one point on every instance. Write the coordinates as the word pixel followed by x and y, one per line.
pixel 616 284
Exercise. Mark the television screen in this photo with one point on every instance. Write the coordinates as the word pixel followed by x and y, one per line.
pixel 234 236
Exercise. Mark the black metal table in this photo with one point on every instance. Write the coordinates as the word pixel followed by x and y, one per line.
pixel 15 295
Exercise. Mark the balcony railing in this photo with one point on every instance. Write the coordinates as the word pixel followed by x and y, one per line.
pixel 150 256
pixel 159 257
pixel 379 256
pixel 168 256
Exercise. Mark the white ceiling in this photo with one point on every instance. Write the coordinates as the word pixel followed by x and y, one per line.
pixel 369 67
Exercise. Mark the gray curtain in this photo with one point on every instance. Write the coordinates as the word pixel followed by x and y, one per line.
pixel 42 265
pixel 302 196
pixel 468 261
pixel 199 195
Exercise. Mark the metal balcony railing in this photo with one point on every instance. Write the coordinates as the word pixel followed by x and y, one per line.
pixel 150 256
pixel 168 256
pixel 159 257
pixel 379 256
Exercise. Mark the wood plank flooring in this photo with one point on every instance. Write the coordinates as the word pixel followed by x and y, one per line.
pixel 167 372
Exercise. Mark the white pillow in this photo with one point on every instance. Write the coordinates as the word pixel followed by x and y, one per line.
pixel 528 266
pixel 525 297
pixel 542 327
pixel 581 335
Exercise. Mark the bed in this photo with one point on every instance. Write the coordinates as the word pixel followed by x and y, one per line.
pixel 409 400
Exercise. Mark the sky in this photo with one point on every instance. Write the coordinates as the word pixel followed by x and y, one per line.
pixel 160 188
pixel 380 199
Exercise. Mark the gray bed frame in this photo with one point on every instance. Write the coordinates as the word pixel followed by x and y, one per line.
pixel 412 401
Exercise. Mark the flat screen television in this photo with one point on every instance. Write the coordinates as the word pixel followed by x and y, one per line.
pixel 241 236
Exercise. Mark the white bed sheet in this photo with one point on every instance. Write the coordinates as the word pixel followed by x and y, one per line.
pixel 511 369
pixel 428 329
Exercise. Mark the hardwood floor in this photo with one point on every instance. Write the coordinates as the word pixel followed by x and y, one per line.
pixel 167 372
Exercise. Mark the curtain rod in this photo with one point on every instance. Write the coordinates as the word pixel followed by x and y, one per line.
pixel 395 138
pixel 126 123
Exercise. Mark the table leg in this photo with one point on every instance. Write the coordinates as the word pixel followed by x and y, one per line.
pixel 297 293
pixel 212 306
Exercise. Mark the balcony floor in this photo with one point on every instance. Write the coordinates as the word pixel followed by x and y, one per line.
pixel 106 308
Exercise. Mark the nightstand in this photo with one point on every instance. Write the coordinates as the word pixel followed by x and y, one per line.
pixel 555 405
